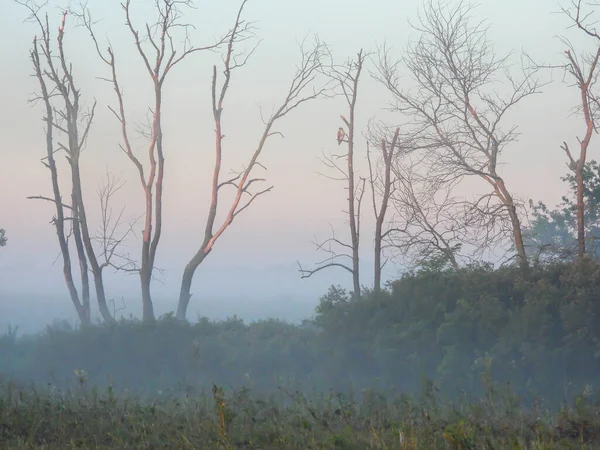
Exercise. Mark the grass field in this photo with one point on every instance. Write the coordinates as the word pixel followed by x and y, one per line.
pixel 85 418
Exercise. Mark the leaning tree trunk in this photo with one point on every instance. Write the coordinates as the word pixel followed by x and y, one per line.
pixel 83 266
pixel 517 232
pixel 517 235
pixel 87 241
pixel 186 282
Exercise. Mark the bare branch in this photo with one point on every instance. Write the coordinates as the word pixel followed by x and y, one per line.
pixel 308 273
pixel 110 238
pixel 427 222
pixel 455 105
pixel 301 90
pixel 345 80
pixel 158 54
pixel 55 79
pixel 48 199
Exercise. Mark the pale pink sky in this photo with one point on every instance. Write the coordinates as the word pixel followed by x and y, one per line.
pixel 278 229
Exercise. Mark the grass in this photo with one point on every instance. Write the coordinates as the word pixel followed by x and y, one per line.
pixel 84 418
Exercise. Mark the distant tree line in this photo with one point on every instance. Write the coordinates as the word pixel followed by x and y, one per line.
pixel 536 333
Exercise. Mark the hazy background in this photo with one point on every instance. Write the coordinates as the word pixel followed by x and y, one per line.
pixel 252 271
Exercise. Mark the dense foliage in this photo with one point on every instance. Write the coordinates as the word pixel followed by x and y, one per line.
pixel 537 329
pixel 553 232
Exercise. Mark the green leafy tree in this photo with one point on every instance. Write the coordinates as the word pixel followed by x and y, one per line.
pixel 552 233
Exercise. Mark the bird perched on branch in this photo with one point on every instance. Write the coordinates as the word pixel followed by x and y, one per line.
pixel 340 135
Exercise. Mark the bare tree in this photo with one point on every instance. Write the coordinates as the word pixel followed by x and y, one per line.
pixel 585 83
pixel 458 106
pixel 428 223
pixel 383 185
pixel 56 79
pixel 42 49
pixel 347 78
pixel 244 183
pixel 159 55
pixel 583 70
pixel 111 237
pixel 3 238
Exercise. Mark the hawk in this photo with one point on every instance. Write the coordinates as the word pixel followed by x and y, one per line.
pixel 340 135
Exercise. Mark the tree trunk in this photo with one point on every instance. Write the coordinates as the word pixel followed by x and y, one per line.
pixel 580 214
pixel 82 312
pixel 146 268
pixel 85 234
pixel 59 220
pixel 101 296
pixel 378 239
pixel 83 266
pixel 147 307
pixel 509 203
pixel 352 194
pixel 185 293
pixel 453 261
pixel 351 212
pixel 518 236
pixel 387 151
pixel 356 271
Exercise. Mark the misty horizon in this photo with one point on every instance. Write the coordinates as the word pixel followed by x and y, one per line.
pixel 257 255
pixel 305 225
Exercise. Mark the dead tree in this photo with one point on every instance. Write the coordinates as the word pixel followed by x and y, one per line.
pixel 428 223
pixel 460 112
pixel 244 183
pixel 383 185
pixel 156 39
pixel 56 79
pixel 111 238
pixel 585 83
pixel 81 306
pixel 347 78
pixel 585 79
pixel 75 125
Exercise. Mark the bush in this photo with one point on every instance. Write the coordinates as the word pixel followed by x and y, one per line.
pixel 536 330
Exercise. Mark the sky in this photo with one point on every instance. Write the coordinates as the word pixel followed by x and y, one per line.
pixel 256 257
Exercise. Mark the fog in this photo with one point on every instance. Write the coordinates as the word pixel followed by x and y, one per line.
pixel 475 323
pixel 252 294
pixel 252 271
